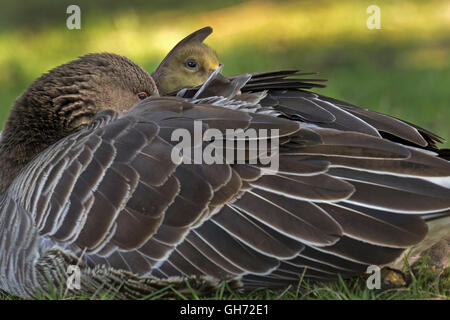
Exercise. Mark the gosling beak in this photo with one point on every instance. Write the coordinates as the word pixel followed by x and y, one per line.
pixel 214 69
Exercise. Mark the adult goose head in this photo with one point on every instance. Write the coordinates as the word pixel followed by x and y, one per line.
pixel 89 180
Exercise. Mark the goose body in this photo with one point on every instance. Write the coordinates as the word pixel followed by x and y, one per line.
pixel 87 179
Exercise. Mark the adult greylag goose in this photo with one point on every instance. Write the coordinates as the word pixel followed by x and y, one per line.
pixel 87 179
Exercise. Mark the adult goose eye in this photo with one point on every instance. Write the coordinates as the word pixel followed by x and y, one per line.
pixel 191 64
pixel 142 95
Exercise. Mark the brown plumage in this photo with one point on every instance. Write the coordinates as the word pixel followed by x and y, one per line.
pixel 88 179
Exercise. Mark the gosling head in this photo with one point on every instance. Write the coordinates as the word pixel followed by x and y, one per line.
pixel 187 65
pixel 65 100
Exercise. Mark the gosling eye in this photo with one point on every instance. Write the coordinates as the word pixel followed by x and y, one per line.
pixel 142 95
pixel 191 64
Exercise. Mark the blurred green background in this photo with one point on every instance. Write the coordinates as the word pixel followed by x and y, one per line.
pixel 403 69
